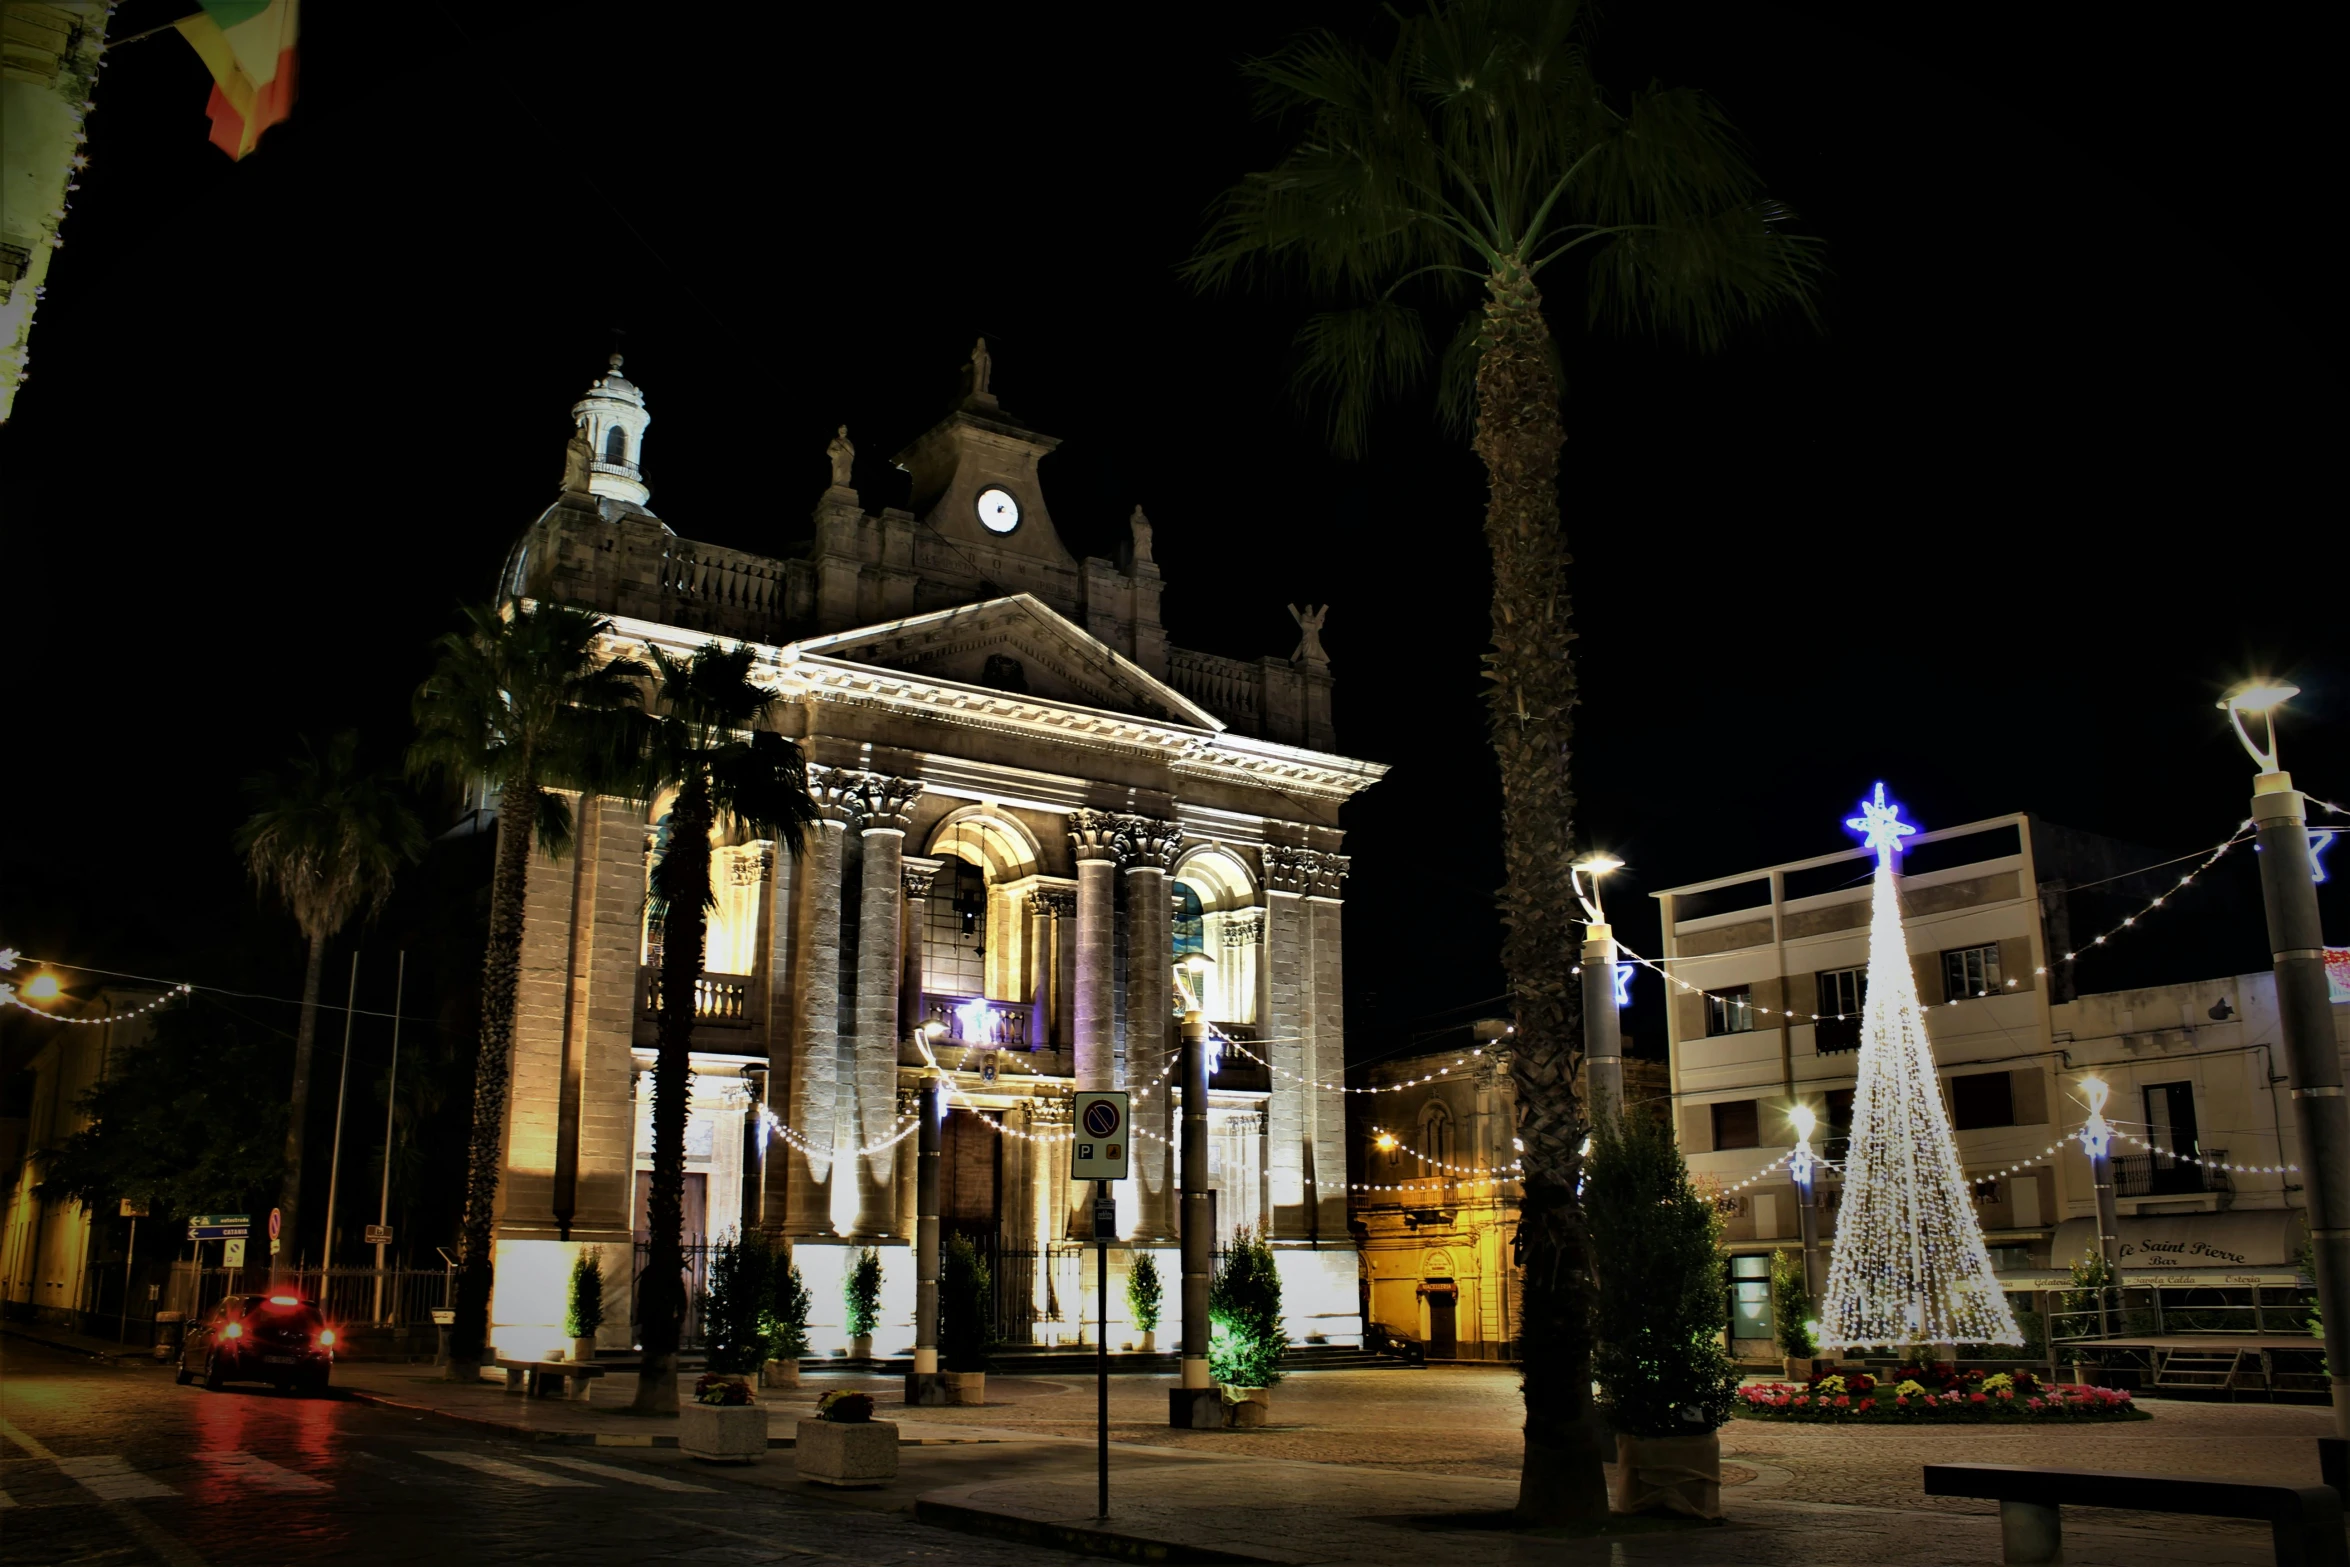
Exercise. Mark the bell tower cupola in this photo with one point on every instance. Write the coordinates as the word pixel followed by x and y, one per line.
pixel 610 438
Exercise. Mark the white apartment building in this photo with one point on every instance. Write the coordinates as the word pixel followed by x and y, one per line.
pixel 2198 1091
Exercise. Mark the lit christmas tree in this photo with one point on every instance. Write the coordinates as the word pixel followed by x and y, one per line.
pixel 1909 1265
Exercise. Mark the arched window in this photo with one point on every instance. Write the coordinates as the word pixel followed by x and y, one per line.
pixel 1190 923
pixel 616 445
pixel 1435 1141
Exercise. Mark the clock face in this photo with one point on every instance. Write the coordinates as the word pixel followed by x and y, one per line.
pixel 998 512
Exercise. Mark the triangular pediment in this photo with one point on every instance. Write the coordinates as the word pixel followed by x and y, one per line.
pixel 1014 644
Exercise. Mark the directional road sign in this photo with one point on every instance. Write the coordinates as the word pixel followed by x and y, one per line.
pixel 207 1221
pixel 1102 1142
pixel 218 1232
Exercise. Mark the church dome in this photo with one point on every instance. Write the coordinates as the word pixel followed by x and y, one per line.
pixel 612 419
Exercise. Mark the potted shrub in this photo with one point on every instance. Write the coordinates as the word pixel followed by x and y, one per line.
pixel 1665 1381
pixel 1791 1309
pixel 966 1321
pixel 724 1423
pixel 785 1324
pixel 1142 1300
pixel 844 1445
pixel 1245 1337
pixel 861 1300
pixel 584 1314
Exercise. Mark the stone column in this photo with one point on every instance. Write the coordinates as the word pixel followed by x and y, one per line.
pixel 1284 1015
pixel 814 1096
pixel 782 998
pixel 1148 847
pixel 1091 837
pixel 883 806
pixel 1326 1107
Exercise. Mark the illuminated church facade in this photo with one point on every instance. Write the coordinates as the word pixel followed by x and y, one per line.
pixel 1044 829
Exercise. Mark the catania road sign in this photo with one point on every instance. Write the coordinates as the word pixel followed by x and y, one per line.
pixel 1102 1145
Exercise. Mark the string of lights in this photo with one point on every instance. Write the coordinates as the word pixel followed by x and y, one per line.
pixel 9 997
pixel 775 1126
pixel 1341 1088
pixel 2210 1164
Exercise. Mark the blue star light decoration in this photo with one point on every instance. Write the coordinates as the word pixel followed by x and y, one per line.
pixel 1880 826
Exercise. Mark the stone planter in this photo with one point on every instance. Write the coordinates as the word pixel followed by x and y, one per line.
pixel 583 1351
pixel 1247 1408
pixel 780 1373
pixel 1804 1369
pixel 964 1387
pixel 1668 1474
pixel 847 1456
pixel 720 1434
pixel 861 1347
pixel 1150 1341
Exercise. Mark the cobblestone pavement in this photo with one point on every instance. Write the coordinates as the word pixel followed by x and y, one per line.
pixel 110 1462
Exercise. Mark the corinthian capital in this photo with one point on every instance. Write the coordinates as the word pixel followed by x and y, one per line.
pixel 1093 835
pixel 1147 843
pixel 1329 872
pixel 881 803
pixel 1288 869
pixel 1060 902
pixel 829 788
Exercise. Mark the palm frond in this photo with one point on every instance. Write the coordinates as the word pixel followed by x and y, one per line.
pixel 327 837
pixel 1352 359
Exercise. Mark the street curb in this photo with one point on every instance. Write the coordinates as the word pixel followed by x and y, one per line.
pixel 1091 1539
pixel 599 1438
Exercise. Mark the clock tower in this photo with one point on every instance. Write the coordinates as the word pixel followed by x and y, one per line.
pixel 975 479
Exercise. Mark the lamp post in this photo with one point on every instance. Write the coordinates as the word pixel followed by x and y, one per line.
pixel 2097 1143
pixel 1804 1166
pixel 1193 1403
pixel 2313 1061
pixel 922 1384
pixel 1603 1039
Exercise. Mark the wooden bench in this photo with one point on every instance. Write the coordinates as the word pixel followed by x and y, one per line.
pixel 549 1378
pixel 2306 1519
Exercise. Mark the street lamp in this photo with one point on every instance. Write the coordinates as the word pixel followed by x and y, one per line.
pixel 1804 1165
pixel 2097 1142
pixel 2313 1063
pixel 1603 1038
pixel 43 987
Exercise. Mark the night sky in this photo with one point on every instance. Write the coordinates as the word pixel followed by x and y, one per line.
pixel 2056 470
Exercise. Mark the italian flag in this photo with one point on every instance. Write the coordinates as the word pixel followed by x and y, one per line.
pixel 249 47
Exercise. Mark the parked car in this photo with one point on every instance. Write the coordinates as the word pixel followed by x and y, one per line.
pixel 279 1339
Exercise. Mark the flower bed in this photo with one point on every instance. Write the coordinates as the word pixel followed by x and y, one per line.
pixel 1937 1395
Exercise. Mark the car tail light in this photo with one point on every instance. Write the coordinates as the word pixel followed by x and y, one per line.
pixel 285 1300
pixel 326 1338
pixel 233 1330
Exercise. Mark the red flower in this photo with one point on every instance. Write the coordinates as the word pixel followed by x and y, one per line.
pixel 2007 1393
pixel 1843 1402
pixel 1977 1398
pixel 1901 1399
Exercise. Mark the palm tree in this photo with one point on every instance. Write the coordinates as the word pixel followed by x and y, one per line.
pixel 701 743
pixel 525 702
pixel 326 837
pixel 1449 177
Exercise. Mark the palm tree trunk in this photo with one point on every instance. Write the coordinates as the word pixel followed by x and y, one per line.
pixel 685 885
pixel 289 1191
pixel 1532 709
pixel 485 1150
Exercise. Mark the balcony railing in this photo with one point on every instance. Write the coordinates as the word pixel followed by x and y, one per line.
pixel 720 1000
pixel 975 1020
pixel 2160 1175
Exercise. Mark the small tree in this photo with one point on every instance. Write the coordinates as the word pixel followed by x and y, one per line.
pixel 1659 1360
pixel 966 1307
pixel 785 1322
pixel 861 1293
pixel 1142 1293
pixel 737 1299
pixel 1791 1304
pixel 1245 1339
pixel 586 1312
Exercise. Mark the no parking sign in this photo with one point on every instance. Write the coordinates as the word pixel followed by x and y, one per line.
pixel 1103 1145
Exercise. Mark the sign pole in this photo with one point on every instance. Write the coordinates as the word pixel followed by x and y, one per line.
pixel 124 1335
pixel 334 1161
pixel 1101 1357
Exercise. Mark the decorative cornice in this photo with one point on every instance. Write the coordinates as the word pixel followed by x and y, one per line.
pixel 1147 843
pixel 882 803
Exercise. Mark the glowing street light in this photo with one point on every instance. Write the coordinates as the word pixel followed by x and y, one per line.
pixel 1803 1165
pixel 1603 993
pixel 43 987
pixel 2261 698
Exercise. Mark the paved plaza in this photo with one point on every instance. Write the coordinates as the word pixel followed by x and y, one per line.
pixel 1358 1466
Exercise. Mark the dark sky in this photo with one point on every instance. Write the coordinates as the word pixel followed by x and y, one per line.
pixel 2056 470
